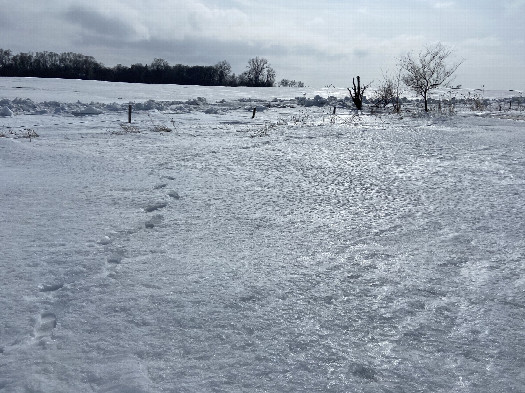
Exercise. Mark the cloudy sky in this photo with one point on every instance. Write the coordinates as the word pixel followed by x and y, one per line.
pixel 320 42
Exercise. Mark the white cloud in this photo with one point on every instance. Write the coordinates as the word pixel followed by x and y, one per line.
pixel 485 42
pixel 317 21
pixel 514 4
pixel 444 4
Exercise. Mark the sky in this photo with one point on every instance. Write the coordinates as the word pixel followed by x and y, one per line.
pixel 321 43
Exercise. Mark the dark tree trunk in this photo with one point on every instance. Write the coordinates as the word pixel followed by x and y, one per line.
pixel 357 93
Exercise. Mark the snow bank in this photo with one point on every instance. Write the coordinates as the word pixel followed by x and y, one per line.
pixel 5 112
pixel 89 110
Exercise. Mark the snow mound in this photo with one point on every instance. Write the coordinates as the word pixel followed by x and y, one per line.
pixel 197 101
pixel 89 110
pixel 5 112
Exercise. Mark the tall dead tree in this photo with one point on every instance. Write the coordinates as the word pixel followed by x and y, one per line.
pixel 357 92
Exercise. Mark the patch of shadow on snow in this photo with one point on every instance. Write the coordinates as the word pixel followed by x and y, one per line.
pixel 363 371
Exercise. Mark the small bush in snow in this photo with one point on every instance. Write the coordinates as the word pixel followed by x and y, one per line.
pixel 27 133
pixel 161 128
pixel 127 128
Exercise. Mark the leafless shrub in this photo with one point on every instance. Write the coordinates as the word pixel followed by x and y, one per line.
pixel 263 131
pixel 27 133
pixel 161 128
pixel 389 92
pixel 129 128
pixel 126 128
pixel 478 102
pixel 158 127
pixel 30 133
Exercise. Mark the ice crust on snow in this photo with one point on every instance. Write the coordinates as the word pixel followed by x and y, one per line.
pixel 296 251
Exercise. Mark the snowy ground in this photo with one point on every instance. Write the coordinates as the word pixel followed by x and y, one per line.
pixel 292 252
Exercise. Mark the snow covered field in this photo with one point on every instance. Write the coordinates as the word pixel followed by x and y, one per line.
pixel 292 252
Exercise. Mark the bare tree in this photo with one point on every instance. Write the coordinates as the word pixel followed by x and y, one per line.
pixel 428 71
pixel 223 72
pixel 5 57
pixel 357 92
pixel 384 94
pixel 258 73
pixel 389 91
pixel 159 64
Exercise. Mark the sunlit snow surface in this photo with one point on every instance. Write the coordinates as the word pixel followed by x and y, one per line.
pixel 292 252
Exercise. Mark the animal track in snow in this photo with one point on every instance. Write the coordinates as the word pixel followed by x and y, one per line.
pixel 114 258
pixel 113 261
pixel 154 221
pixel 45 324
pixel 50 287
pixel 155 206
pixel 105 240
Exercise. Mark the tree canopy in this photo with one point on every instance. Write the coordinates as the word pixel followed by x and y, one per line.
pixel 71 65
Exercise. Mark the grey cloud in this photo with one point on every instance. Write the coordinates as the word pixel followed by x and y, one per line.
pixel 194 50
pixel 360 52
pixel 6 22
pixel 97 24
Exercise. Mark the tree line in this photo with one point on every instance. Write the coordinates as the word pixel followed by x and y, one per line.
pixel 69 65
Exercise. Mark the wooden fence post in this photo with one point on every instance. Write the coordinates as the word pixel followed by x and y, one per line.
pixel 129 113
